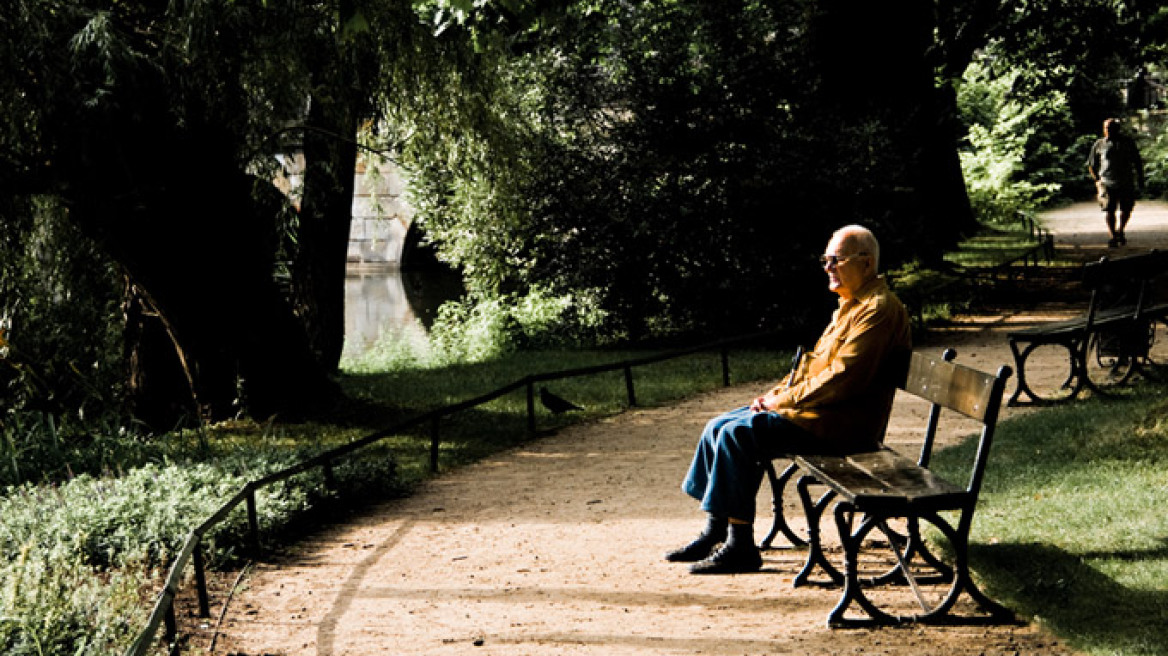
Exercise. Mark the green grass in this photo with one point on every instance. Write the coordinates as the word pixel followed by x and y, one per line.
pixel 935 295
pixel 996 245
pixel 1072 528
pixel 991 247
pixel 502 423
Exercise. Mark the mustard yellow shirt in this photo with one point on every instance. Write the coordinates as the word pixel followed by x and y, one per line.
pixel 842 391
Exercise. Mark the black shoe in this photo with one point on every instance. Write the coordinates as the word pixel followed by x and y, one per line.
pixel 697 550
pixel 1122 239
pixel 730 559
pixel 1112 243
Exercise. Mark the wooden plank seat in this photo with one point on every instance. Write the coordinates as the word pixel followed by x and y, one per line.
pixel 1108 343
pixel 883 502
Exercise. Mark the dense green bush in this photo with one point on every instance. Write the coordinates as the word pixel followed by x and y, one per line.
pixel 1155 151
pixel 672 168
pixel 40 446
pixel 79 560
pixel 1000 128
pixel 61 368
pixel 50 604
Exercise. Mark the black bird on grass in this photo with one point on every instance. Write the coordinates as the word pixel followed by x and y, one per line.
pixel 554 403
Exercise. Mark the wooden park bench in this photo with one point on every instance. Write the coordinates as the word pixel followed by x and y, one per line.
pixel 882 499
pixel 1108 343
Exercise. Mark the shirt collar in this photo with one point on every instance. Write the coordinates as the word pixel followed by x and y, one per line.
pixel 870 288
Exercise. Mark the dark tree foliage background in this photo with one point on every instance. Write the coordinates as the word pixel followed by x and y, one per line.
pixel 688 160
pixel 1088 50
pixel 154 127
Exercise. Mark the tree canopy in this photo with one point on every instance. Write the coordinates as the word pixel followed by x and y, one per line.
pixel 675 167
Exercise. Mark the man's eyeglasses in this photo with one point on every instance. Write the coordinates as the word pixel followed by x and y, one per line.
pixel 836 260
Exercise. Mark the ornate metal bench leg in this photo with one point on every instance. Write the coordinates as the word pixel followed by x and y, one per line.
pixel 1020 386
pixel 778 485
pixel 844 518
pixel 921 591
pixel 813 510
pixel 918 547
pixel 997 611
pixel 1067 390
pixel 911 546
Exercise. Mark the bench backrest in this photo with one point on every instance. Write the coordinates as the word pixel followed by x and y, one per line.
pixel 958 388
pixel 1129 282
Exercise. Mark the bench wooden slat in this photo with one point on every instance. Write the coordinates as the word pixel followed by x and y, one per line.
pixel 964 390
pixel 883 480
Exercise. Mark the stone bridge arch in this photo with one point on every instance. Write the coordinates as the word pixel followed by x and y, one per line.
pixel 383 232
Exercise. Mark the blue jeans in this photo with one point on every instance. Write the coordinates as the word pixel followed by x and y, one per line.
pixel 728 463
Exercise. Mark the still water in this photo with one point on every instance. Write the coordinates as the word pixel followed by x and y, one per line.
pixel 402 304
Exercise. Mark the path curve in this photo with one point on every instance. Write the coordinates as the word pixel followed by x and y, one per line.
pixel 554 548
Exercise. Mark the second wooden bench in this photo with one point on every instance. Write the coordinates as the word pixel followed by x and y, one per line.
pixel 1109 342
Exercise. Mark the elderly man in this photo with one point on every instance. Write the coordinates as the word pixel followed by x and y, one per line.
pixel 836 400
pixel 1118 170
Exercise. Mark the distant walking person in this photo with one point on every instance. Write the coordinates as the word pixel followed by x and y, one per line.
pixel 1118 170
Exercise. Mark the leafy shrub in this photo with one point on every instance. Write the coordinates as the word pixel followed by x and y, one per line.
pixel 1155 150
pixel 50 604
pixel 485 327
pixel 42 447
pixel 999 133
pixel 76 558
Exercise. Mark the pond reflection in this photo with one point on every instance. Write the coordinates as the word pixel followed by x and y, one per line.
pixel 394 303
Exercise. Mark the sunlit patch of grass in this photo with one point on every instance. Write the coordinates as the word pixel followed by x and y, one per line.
pixel 472 434
pixel 1071 529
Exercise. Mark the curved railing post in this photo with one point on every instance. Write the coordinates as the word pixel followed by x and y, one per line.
pixel 201 581
pixel 435 441
pixel 629 386
pixel 330 480
pixel 530 406
pixel 253 522
pixel 171 624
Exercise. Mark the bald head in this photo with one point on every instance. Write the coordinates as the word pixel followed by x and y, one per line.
pixel 858 239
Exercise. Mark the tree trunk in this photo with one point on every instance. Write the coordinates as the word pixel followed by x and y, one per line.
pixel 326 215
pixel 875 65
pixel 160 391
pixel 197 244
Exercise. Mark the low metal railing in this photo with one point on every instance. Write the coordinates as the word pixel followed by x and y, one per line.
pixel 163 613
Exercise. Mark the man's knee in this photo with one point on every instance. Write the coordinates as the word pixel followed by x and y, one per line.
pixel 735 437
